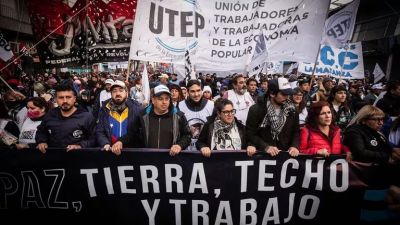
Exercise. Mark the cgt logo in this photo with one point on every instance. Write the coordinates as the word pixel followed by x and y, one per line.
pixel 167 22
pixel 327 56
pixel 340 26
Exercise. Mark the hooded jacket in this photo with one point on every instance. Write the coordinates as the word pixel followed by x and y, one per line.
pixel 174 119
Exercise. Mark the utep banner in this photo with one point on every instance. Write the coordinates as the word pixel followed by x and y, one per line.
pixel 151 187
pixel 220 33
pixel 339 27
pixel 338 62
pixel 99 33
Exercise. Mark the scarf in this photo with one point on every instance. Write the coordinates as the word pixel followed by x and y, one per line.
pixel 221 132
pixel 117 108
pixel 277 121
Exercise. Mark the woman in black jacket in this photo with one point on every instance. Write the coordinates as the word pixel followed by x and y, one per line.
pixel 223 131
pixel 365 141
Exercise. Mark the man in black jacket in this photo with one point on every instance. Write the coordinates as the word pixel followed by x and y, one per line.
pixel 273 122
pixel 169 127
pixel 66 126
pixel 390 103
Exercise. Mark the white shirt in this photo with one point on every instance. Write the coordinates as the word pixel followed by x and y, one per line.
pixel 196 120
pixel 28 131
pixel 241 103
pixel 104 95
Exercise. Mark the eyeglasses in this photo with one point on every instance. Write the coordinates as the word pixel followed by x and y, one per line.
pixel 229 112
pixel 377 118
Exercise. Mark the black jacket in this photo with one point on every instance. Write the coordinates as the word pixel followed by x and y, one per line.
pixel 59 132
pixel 206 133
pixel 367 145
pixel 179 132
pixel 261 137
pixel 389 104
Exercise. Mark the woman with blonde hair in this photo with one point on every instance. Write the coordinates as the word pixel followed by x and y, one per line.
pixel 368 145
pixel 365 140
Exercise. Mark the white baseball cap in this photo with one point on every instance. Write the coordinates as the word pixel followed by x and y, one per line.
pixel 118 83
pixel 163 75
pixel 377 86
pixel 109 81
pixel 281 84
pixel 161 89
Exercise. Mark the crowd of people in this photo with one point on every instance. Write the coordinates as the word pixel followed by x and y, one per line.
pixel 297 114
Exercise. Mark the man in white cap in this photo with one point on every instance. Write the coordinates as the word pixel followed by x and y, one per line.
pixel 162 125
pixel 373 94
pixel 273 122
pixel 103 96
pixel 116 117
pixel 164 79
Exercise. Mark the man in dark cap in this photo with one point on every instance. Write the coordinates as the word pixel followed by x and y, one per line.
pixel 273 122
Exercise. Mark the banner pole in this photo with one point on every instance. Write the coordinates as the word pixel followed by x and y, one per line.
pixel 7 84
pixel 129 70
pixel 316 60
pixel 345 56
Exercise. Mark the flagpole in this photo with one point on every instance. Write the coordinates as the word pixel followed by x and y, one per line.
pixel 345 56
pixel 6 84
pixel 129 70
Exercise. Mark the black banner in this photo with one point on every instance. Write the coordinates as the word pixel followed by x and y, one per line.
pixel 151 187
pixel 85 32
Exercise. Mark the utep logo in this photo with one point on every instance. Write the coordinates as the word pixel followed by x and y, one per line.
pixel 327 56
pixel 339 26
pixel 173 23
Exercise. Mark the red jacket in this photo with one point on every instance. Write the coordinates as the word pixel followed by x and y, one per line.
pixel 312 140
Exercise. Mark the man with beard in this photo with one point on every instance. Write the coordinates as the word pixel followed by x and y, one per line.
pixel 273 122
pixel 67 126
pixel 240 97
pixel 116 117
